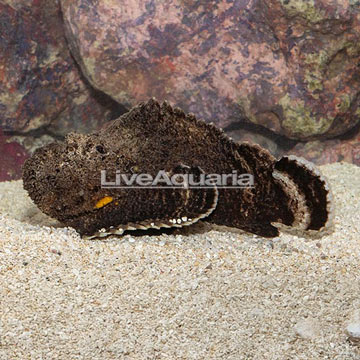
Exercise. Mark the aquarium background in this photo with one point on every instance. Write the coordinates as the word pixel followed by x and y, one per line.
pixel 283 74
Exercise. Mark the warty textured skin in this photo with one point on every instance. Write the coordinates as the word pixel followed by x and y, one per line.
pixel 63 179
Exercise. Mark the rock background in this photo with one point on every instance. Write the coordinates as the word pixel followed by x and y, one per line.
pixel 41 85
pixel 346 148
pixel 288 65
pixel 12 158
pixel 281 73
pixel 42 89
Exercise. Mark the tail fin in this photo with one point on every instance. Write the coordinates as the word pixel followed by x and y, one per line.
pixel 309 194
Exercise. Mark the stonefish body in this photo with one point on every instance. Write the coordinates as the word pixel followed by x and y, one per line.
pixel 64 179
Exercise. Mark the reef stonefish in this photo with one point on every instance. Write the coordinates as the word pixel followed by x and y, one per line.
pixel 65 179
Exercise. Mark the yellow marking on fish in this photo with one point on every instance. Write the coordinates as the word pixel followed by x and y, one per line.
pixel 104 201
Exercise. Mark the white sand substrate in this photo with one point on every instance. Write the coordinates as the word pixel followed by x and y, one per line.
pixel 200 293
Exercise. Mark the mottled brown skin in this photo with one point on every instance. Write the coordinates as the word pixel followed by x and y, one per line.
pixel 63 179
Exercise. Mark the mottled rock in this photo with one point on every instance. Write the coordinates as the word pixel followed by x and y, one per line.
pixel 40 83
pixel 13 156
pixel 31 143
pixel 288 65
pixel 329 151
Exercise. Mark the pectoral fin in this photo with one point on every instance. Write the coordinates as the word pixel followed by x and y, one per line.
pixel 158 208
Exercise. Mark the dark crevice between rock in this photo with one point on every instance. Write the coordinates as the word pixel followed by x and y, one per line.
pixel 107 102
pixel 350 134
pixel 102 98
pixel 283 143
pixel 116 109
pixel 33 138
pixel 36 133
